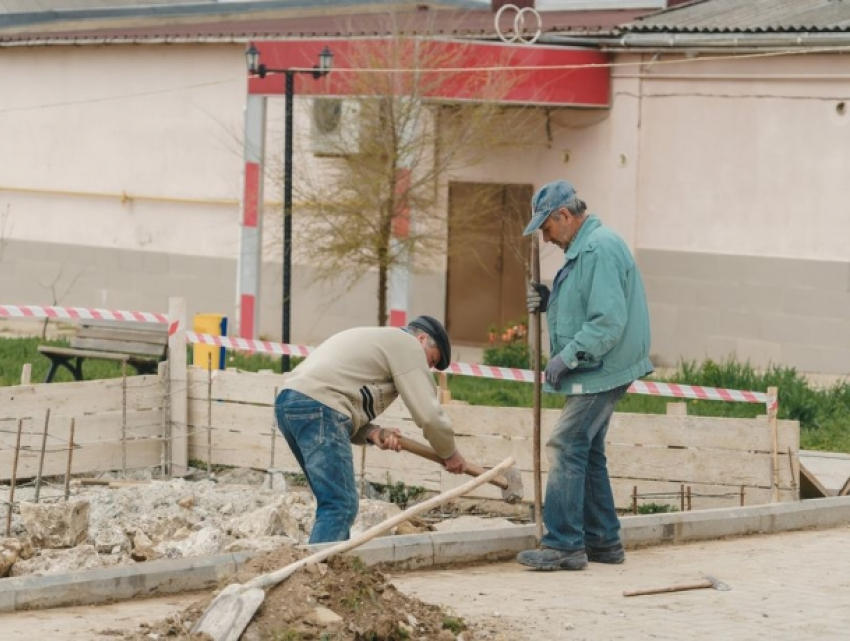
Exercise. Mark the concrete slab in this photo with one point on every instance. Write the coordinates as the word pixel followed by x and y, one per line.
pixel 415 551
pixel 831 469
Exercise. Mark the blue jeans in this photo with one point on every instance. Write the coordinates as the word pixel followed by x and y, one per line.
pixel 320 439
pixel 579 507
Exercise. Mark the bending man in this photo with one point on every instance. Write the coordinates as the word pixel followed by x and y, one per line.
pixel 329 400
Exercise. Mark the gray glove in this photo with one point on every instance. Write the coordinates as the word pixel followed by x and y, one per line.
pixel 555 370
pixel 537 298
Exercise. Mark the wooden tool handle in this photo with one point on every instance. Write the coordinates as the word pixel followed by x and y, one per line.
pixel 672 588
pixel 424 451
pixel 273 578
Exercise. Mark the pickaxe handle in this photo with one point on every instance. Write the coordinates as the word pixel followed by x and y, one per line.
pixel 424 451
pixel 699 585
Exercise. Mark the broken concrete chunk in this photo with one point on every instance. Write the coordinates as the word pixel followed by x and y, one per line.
pixel 324 616
pixel 111 540
pixel 56 525
pixel 187 502
pixel 10 551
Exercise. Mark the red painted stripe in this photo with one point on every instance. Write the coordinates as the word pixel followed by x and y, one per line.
pixel 398 318
pixel 252 194
pixel 246 316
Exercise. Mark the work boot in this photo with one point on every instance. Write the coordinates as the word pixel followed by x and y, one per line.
pixel 552 559
pixel 611 554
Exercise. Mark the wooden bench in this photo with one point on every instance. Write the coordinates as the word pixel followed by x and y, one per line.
pixel 142 345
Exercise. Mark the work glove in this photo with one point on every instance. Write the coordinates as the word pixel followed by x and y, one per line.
pixel 537 298
pixel 555 370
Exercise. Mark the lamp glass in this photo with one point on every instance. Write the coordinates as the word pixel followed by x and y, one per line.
pixel 326 60
pixel 252 57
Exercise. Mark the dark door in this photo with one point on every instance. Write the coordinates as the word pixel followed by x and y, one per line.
pixel 487 259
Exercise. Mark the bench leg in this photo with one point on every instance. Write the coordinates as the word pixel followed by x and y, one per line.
pixel 56 362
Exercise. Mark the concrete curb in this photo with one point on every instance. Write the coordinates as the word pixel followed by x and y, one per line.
pixel 413 551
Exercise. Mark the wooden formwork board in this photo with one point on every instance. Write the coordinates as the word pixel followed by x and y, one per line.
pixel 234 386
pixel 716 455
pixel 98 443
pixel 78 398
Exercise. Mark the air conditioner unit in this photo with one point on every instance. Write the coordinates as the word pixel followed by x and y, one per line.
pixel 335 127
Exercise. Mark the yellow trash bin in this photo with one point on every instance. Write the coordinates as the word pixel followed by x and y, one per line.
pixel 203 355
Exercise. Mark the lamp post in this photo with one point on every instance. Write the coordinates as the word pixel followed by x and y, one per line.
pixel 256 68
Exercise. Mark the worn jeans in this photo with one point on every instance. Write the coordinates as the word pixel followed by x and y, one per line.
pixel 320 439
pixel 579 507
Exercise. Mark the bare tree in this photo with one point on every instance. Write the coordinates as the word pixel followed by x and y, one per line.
pixel 375 202
pixel 56 296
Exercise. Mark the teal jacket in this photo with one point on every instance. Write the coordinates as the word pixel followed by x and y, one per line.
pixel 597 315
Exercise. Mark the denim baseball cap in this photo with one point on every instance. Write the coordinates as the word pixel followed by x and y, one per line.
pixel 546 201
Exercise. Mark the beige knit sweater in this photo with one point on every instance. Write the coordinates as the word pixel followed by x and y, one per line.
pixel 360 372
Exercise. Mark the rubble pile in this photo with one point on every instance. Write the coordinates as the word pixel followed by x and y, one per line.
pixel 127 522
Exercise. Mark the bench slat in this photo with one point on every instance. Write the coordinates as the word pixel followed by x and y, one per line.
pixel 65 351
pixel 118 346
pixel 159 337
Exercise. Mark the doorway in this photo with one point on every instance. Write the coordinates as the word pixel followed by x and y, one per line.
pixel 487 259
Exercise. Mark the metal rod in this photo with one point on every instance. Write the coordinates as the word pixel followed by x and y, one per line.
pixel 41 455
pixel 209 414
pixel 124 419
pixel 742 496
pixel 793 475
pixel 682 497
pixel 14 479
pixel 689 498
pixel 70 459
pixel 274 430
pixel 634 499
pixel 287 213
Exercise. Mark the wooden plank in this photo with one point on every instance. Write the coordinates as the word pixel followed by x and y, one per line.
pixel 134 348
pixel 253 420
pixel 242 387
pixel 98 441
pixel 151 333
pixel 177 458
pixel 80 397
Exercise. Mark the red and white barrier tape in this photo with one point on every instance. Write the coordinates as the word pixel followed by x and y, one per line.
pixel 267 347
pixel 248 345
pixel 78 313
pixel 501 373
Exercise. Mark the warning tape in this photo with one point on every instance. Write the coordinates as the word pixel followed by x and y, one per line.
pixel 249 345
pixel 674 390
pixel 78 313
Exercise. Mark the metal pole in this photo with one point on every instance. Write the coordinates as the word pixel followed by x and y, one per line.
pixel 41 456
pixel 14 479
pixel 124 419
pixel 70 459
pixel 209 414
pixel 287 214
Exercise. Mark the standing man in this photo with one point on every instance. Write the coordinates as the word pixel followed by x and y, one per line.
pixel 329 400
pixel 599 341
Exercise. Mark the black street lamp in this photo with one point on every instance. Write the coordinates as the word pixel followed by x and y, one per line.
pixel 255 68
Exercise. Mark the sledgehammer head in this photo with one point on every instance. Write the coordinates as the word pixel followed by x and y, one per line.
pixel 512 492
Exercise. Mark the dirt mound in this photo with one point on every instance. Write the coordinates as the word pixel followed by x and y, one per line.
pixel 342 599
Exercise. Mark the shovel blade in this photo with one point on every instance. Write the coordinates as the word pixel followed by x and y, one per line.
pixel 230 613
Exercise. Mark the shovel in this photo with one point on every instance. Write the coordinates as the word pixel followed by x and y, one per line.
pixel 232 610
